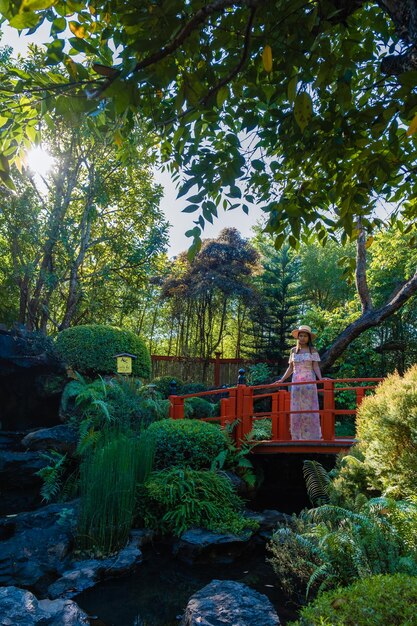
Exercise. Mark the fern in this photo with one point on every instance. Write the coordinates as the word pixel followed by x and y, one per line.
pixel 317 482
pixel 52 474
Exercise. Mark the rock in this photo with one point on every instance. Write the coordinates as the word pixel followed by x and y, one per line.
pixel 61 438
pixel 268 521
pixel 229 603
pixel 86 574
pixel 20 607
pixel 20 483
pixel 198 545
pixel 36 545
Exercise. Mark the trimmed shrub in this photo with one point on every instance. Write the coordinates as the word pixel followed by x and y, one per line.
pixel 163 385
pixel 387 430
pixel 91 349
pixel 374 601
pixel 193 388
pixel 176 499
pixel 197 408
pixel 186 443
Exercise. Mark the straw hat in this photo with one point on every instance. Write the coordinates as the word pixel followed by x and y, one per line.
pixel 303 329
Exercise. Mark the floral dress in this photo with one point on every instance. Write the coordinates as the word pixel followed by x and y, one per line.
pixel 304 397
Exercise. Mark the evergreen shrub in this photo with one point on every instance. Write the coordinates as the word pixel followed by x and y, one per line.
pixel 375 601
pixel 90 349
pixel 186 443
pixel 163 385
pixel 387 430
pixel 177 498
pixel 197 408
pixel 194 388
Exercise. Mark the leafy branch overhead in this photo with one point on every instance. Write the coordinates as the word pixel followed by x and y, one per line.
pixel 301 107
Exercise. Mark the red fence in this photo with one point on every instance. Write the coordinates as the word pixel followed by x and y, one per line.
pixel 237 407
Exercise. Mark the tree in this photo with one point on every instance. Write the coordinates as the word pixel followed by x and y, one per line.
pixel 206 293
pixel 82 240
pixel 279 297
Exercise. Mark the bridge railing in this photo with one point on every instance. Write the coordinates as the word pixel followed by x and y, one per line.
pixel 237 406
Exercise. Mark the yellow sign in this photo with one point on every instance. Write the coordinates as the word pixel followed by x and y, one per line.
pixel 124 364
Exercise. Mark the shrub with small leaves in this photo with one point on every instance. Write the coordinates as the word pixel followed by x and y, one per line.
pixel 186 442
pixel 91 348
pixel 163 385
pixel 196 408
pixel 374 601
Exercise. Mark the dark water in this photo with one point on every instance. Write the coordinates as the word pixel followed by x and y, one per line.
pixel 157 594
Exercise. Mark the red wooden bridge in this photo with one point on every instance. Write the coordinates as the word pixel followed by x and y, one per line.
pixel 238 408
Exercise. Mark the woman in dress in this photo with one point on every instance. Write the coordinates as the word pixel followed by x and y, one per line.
pixel 304 366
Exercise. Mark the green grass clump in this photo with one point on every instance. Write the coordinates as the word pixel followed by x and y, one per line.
pixel 109 476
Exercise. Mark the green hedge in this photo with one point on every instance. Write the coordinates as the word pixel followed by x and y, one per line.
pixel 382 600
pixel 197 408
pixel 90 349
pixel 186 443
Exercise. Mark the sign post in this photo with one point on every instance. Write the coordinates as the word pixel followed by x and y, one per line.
pixel 124 363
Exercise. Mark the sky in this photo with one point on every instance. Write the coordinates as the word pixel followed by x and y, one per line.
pixel 170 205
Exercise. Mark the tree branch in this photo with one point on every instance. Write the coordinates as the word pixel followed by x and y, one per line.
pixel 360 275
pixel 369 319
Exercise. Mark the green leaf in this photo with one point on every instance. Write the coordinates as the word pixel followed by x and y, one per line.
pixel 25 20
pixel 222 96
pixel 191 208
pixel 292 89
pixel 35 5
pixel 303 109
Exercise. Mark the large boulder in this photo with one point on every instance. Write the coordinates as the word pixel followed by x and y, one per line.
pixel 20 607
pixel 35 546
pixel 60 438
pixel 229 603
pixel 198 545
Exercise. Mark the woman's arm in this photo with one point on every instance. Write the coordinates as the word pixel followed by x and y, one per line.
pixel 316 368
pixel 287 373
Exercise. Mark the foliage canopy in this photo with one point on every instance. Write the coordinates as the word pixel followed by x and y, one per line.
pixel 300 106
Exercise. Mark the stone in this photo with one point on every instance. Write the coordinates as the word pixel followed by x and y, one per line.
pixel 19 480
pixel 229 603
pixel 87 573
pixel 269 520
pixel 198 545
pixel 36 545
pixel 21 607
pixel 60 438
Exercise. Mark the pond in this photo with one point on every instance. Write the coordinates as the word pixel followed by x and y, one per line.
pixel 157 594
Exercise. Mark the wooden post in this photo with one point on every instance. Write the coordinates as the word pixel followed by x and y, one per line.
pixel 286 420
pixel 217 369
pixel 240 390
pixel 360 394
pixel 247 411
pixel 224 411
pixel 232 404
pixel 176 409
pixel 275 415
pixel 327 425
